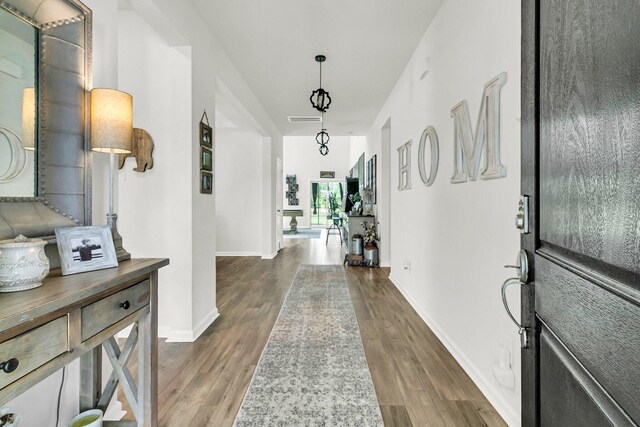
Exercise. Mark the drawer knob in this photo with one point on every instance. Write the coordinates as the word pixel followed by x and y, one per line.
pixel 126 305
pixel 10 365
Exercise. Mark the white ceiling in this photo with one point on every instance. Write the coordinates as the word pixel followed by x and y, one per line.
pixel 273 44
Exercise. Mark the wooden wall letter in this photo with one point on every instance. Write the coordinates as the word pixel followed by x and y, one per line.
pixel 404 166
pixel 434 148
pixel 468 146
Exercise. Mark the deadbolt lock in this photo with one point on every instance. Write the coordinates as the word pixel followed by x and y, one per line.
pixel 522 217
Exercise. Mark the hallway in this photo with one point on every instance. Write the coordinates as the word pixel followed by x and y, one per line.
pixel 417 381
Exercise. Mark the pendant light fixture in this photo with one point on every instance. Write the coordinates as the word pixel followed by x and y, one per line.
pixel 323 138
pixel 320 98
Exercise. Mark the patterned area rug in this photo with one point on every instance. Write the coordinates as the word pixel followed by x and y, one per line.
pixel 305 233
pixel 313 370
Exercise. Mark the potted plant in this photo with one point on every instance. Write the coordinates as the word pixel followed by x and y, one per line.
pixel 370 237
pixel 357 202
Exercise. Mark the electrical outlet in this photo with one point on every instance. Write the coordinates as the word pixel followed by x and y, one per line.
pixel 507 342
pixel 503 367
pixel 406 265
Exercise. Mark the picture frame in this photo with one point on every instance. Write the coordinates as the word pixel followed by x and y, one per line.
pixel 328 174
pixel 374 178
pixel 206 182
pixel 85 249
pixel 206 135
pixel 206 159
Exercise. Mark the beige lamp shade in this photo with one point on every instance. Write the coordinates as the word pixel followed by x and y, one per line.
pixel 29 118
pixel 111 121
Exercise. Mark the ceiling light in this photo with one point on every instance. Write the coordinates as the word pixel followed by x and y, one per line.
pixel 323 138
pixel 320 98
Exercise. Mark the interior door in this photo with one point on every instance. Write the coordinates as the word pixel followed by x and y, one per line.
pixel 581 169
pixel 279 202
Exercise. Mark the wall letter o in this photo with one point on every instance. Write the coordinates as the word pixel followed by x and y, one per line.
pixel 430 134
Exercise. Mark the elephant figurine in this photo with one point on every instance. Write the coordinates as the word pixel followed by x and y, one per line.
pixel 141 149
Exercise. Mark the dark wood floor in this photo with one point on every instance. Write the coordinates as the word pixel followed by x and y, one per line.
pixel 417 381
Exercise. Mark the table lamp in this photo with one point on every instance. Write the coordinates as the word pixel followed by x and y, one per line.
pixel 29 118
pixel 111 132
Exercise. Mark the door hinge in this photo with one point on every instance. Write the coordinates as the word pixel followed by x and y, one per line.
pixel 522 217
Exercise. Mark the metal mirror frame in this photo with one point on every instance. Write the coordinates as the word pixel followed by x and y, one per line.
pixel 63 183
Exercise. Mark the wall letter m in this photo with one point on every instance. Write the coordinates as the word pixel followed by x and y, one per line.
pixel 468 146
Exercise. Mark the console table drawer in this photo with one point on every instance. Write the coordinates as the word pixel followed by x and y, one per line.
pixel 33 349
pixel 100 315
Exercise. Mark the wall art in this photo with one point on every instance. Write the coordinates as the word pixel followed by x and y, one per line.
pixel 206 182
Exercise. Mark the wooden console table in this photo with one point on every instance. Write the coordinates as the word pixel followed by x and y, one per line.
pixel 43 329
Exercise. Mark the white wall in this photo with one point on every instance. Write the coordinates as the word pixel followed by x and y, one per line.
pixel 155 209
pixel 302 158
pixel 446 226
pixel 239 201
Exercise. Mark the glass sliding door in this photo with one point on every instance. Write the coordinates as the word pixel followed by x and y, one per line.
pixel 325 203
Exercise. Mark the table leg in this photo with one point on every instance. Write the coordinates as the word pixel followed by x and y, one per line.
pixel 148 361
pixel 90 378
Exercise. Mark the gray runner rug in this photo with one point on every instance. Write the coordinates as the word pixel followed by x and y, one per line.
pixel 313 370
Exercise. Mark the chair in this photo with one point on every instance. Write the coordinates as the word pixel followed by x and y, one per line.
pixel 336 224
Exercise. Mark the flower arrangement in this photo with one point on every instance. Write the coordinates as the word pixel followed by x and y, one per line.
pixel 370 234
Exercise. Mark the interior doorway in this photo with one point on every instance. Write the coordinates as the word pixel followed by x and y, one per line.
pixel 325 202
pixel 279 184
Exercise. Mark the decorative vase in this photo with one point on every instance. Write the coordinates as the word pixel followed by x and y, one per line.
pixel 23 264
pixel 371 253
pixel 90 418
pixel 356 245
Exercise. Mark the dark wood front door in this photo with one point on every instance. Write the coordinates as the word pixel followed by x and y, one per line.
pixel 581 168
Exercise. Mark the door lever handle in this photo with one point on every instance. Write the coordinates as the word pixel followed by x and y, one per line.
pixel 522 268
pixel 522 331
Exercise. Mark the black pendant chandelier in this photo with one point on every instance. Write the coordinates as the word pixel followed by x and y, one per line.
pixel 320 98
pixel 322 138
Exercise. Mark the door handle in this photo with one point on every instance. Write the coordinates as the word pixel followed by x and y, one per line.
pixel 522 269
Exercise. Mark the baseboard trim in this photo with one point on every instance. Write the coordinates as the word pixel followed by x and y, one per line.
pixel 385 264
pixel 186 335
pixel 505 410
pixel 238 253
pixel 205 323
pixel 164 331
pixel 272 256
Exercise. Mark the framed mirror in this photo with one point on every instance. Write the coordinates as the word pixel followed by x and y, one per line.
pixel 45 78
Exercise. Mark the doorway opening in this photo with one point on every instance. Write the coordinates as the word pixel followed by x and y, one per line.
pixel 325 204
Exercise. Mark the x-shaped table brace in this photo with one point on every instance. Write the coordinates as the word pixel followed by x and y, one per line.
pixel 121 375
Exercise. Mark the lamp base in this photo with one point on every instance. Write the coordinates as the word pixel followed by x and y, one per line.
pixel 121 253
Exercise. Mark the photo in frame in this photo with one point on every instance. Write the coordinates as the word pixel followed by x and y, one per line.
pixel 206 159
pixel 206 135
pixel 85 249
pixel 206 182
